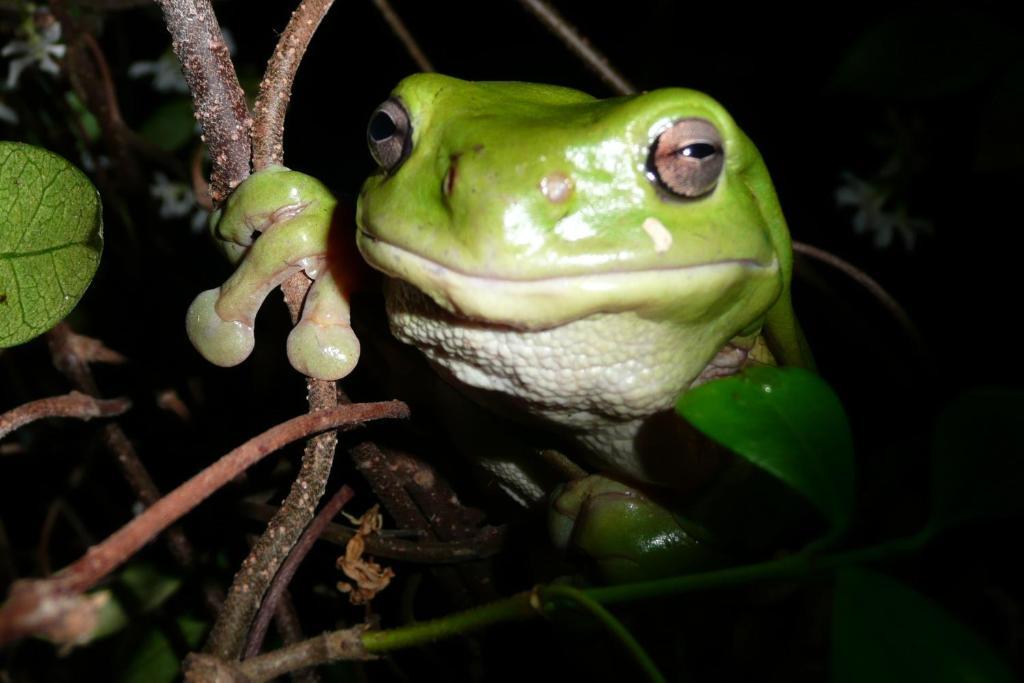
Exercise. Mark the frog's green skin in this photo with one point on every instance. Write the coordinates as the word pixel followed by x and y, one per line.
pixel 291 213
pixel 590 307
pixel 546 271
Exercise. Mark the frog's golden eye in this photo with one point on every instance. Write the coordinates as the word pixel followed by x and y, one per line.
pixel 687 158
pixel 389 134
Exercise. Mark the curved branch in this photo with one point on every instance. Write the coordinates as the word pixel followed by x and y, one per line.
pixel 579 45
pixel 276 87
pixel 74 404
pixel 887 300
pixel 216 95
pixel 403 34
pixel 287 571
pixel 45 605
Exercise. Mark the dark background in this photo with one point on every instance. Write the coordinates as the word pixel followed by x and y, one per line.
pixel 922 100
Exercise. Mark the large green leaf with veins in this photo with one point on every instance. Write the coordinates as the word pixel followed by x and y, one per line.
pixel 51 237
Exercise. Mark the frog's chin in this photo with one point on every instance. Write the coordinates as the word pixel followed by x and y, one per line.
pixel 686 293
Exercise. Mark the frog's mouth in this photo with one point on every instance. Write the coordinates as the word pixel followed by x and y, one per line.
pixel 689 292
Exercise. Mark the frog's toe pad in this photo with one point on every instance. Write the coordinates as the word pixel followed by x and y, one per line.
pixel 326 352
pixel 222 342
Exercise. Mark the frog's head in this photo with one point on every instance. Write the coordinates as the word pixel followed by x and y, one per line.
pixel 529 207
pixel 532 205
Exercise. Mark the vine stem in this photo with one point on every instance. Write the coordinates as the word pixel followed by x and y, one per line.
pixel 355 643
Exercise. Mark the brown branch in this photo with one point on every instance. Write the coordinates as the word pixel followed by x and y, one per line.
pixel 75 404
pixel 579 45
pixel 287 571
pixel 330 647
pixel 216 95
pixel 276 87
pixel 55 598
pixel 488 542
pixel 71 354
pixel 403 34
pixel 228 636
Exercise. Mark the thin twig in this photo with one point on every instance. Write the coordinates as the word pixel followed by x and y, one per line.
pixel 216 95
pixel 488 542
pixel 887 301
pixel 287 571
pixel 72 353
pixel 403 34
pixel 576 43
pixel 74 404
pixel 286 621
pixel 29 600
pixel 329 647
pixel 276 87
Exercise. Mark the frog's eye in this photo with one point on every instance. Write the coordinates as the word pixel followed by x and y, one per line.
pixel 389 134
pixel 687 158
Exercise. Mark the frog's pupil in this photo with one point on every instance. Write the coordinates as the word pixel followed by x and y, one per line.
pixel 382 127
pixel 698 150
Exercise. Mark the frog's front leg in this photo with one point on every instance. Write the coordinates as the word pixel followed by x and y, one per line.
pixel 625 533
pixel 290 213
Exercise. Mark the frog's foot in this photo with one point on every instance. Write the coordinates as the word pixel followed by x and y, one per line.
pixel 624 533
pixel 291 215
pixel 322 344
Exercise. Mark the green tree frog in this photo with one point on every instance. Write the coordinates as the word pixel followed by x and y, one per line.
pixel 575 262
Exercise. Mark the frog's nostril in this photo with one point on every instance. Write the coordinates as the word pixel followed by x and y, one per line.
pixel 449 177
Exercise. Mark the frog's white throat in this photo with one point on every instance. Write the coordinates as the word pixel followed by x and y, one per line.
pixel 598 377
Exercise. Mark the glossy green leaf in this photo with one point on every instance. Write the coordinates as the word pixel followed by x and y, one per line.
pixel 787 421
pixel 156 660
pixel 885 632
pixel 978 457
pixel 51 236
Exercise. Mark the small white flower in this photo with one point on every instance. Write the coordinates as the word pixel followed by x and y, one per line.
pixel 872 215
pixel 176 199
pixel 39 48
pixel 166 73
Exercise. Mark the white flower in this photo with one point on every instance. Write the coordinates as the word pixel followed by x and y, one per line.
pixel 166 73
pixel 40 48
pixel 177 200
pixel 872 215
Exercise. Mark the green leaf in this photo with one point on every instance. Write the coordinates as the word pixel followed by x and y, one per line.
pixel 155 660
pixel 883 631
pixel 787 421
pixel 978 457
pixel 51 236
pixel 171 126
